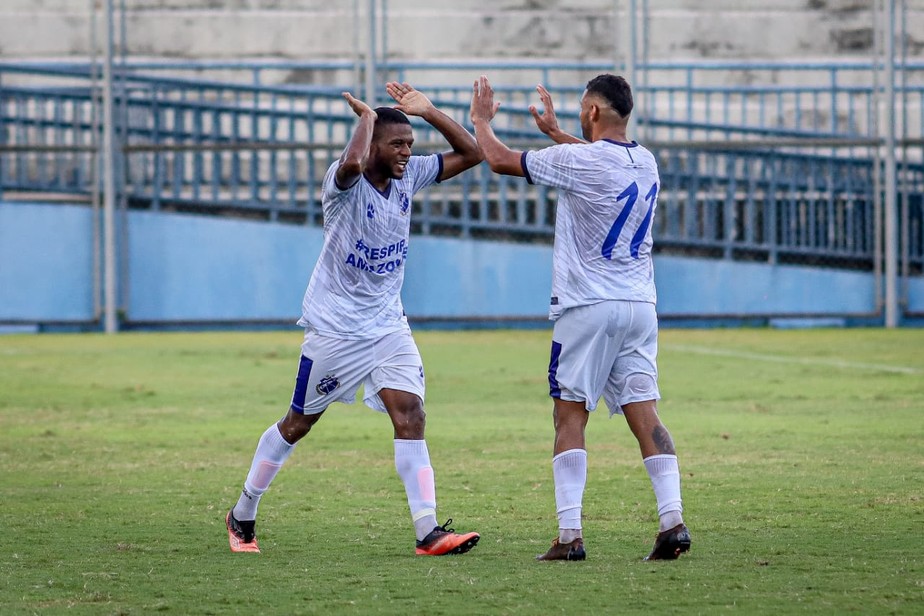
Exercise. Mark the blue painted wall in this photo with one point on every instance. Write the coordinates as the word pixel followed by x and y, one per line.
pixel 184 268
pixel 46 263
pixel 193 268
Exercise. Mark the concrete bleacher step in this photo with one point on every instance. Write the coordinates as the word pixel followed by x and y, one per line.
pixel 796 30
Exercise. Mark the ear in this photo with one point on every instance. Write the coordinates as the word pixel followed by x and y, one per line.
pixel 594 112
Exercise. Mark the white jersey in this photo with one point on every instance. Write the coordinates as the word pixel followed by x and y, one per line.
pixel 355 289
pixel 607 196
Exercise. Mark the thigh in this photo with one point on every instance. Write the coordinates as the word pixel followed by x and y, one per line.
pixel 585 345
pixel 634 377
pixel 329 370
pixel 397 366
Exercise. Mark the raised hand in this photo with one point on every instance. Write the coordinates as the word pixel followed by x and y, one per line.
pixel 483 105
pixel 358 106
pixel 546 121
pixel 410 101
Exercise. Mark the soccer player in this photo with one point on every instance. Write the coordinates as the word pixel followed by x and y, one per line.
pixel 605 336
pixel 356 332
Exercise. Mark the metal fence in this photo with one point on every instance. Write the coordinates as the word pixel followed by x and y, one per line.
pixel 784 174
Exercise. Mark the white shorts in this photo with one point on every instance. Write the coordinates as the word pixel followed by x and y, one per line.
pixel 332 369
pixel 607 349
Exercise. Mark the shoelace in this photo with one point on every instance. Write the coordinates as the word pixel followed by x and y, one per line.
pixel 445 527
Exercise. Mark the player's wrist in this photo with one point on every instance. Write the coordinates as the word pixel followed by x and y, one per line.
pixel 429 112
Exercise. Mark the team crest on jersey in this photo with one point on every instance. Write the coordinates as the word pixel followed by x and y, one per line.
pixel 370 211
pixel 405 203
pixel 326 385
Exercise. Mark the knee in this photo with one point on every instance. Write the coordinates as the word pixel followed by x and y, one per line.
pixel 569 416
pixel 294 426
pixel 410 421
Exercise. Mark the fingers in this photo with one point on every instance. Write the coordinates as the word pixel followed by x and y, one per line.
pixel 398 90
pixel 483 86
pixel 483 104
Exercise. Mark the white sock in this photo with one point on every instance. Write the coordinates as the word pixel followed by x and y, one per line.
pixel 412 461
pixel 272 451
pixel 569 469
pixel 665 479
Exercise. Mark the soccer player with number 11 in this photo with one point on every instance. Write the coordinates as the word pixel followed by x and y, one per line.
pixel 605 337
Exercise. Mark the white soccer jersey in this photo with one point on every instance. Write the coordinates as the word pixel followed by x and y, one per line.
pixel 607 196
pixel 355 288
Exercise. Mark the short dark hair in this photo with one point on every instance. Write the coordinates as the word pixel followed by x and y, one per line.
pixel 615 90
pixel 389 115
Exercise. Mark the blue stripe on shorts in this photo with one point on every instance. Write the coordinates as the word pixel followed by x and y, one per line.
pixel 301 384
pixel 554 389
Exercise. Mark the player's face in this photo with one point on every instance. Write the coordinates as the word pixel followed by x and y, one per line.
pixel 391 149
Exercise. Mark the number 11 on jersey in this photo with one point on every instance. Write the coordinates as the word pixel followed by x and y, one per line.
pixel 630 194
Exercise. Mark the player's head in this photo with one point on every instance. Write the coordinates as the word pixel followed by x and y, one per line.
pixel 389 115
pixel 392 139
pixel 614 90
pixel 608 99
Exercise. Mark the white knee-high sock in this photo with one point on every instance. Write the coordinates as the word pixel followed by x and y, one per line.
pixel 664 472
pixel 569 469
pixel 412 461
pixel 272 451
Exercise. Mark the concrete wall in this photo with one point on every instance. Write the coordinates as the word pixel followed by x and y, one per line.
pixel 458 29
pixel 184 268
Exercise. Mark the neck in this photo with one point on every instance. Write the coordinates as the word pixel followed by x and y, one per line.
pixel 613 133
pixel 378 180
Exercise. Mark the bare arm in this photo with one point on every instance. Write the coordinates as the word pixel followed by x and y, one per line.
pixel 354 156
pixel 465 152
pixel 500 158
pixel 547 121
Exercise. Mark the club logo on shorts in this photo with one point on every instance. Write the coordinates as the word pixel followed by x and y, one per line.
pixel 326 385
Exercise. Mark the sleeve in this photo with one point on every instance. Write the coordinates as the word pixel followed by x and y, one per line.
pixel 552 166
pixel 424 171
pixel 332 195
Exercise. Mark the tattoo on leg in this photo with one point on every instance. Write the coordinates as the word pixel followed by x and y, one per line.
pixel 662 440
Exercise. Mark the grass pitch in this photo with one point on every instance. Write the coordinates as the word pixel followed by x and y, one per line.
pixel 801 455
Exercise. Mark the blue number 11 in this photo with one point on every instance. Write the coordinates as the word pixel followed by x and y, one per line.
pixel 630 194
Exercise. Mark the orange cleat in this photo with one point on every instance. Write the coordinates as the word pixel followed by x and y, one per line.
pixel 443 540
pixel 241 536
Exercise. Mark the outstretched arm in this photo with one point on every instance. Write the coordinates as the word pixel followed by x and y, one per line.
pixel 500 158
pixel 465 152
pixel 354 156
pixel 547 121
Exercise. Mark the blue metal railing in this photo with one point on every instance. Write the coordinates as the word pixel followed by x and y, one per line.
pixel 210 145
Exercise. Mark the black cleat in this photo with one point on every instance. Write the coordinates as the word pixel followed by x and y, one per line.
pixel 241 535
pixel 565 551
pixel 670 544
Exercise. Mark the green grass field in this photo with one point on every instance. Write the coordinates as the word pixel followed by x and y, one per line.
pixel 801 451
